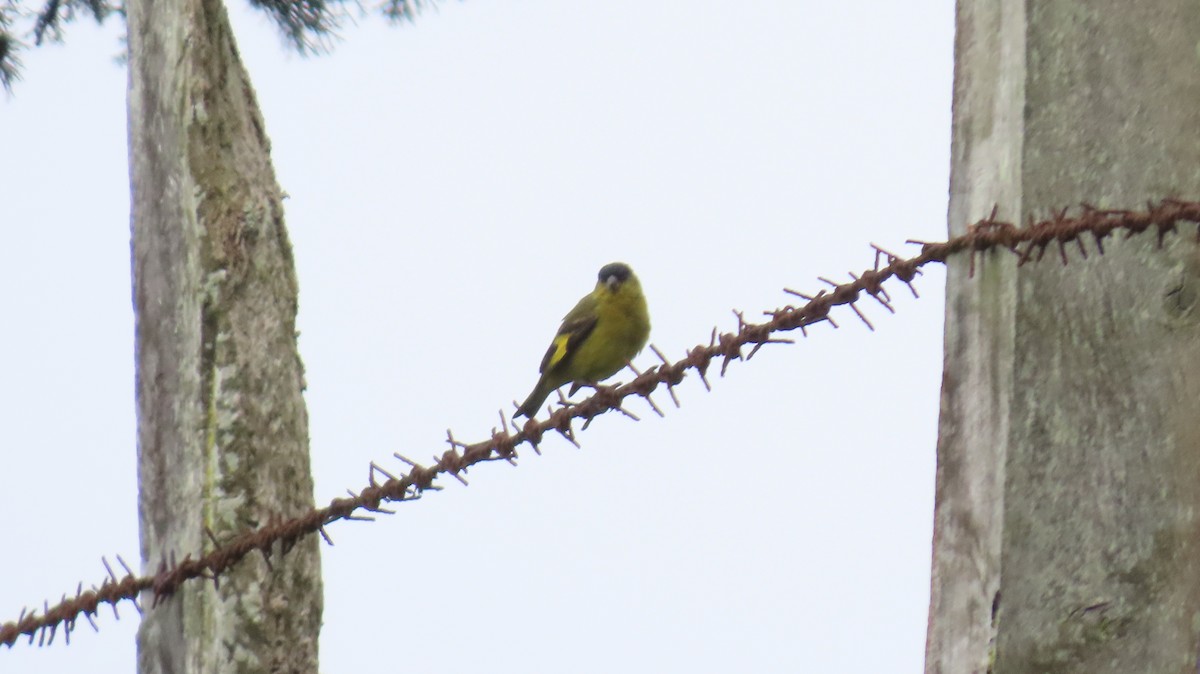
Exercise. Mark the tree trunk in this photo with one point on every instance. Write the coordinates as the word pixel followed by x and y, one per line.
pixel 222 427
pixel 1066 536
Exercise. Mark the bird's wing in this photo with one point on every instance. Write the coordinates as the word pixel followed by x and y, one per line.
pixel 575 328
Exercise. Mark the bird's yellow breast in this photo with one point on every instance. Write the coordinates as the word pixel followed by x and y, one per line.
pixel 622 328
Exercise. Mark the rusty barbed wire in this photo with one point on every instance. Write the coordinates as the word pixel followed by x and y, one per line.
pixel 987 234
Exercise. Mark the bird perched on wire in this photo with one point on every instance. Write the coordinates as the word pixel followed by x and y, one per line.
pixel 605 330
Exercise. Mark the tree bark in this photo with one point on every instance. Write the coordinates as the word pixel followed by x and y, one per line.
pixel 1066 536
pixel 222 426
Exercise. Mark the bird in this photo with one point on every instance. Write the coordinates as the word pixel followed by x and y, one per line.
pixel 605 330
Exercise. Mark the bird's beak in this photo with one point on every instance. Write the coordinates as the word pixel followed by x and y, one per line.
pixel 612 282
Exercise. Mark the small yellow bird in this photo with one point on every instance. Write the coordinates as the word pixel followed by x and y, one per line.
pixel 597 338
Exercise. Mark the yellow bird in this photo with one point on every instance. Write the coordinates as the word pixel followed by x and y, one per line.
pixel 605 330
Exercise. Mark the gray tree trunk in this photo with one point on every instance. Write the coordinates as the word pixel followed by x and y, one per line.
pixel 1066 534
pixel 222 427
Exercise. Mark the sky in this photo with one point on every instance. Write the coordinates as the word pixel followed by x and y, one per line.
pixel 454 185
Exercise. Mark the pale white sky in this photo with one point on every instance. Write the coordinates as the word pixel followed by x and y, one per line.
pixel 455 184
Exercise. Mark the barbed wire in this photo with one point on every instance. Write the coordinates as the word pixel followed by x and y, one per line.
pixel 281 534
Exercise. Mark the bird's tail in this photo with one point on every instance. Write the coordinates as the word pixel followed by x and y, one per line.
pixel 534 402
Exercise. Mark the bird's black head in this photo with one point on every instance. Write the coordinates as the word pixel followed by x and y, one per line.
pixel 614 274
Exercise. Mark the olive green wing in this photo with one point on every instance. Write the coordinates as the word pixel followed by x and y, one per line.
pixel 575 328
